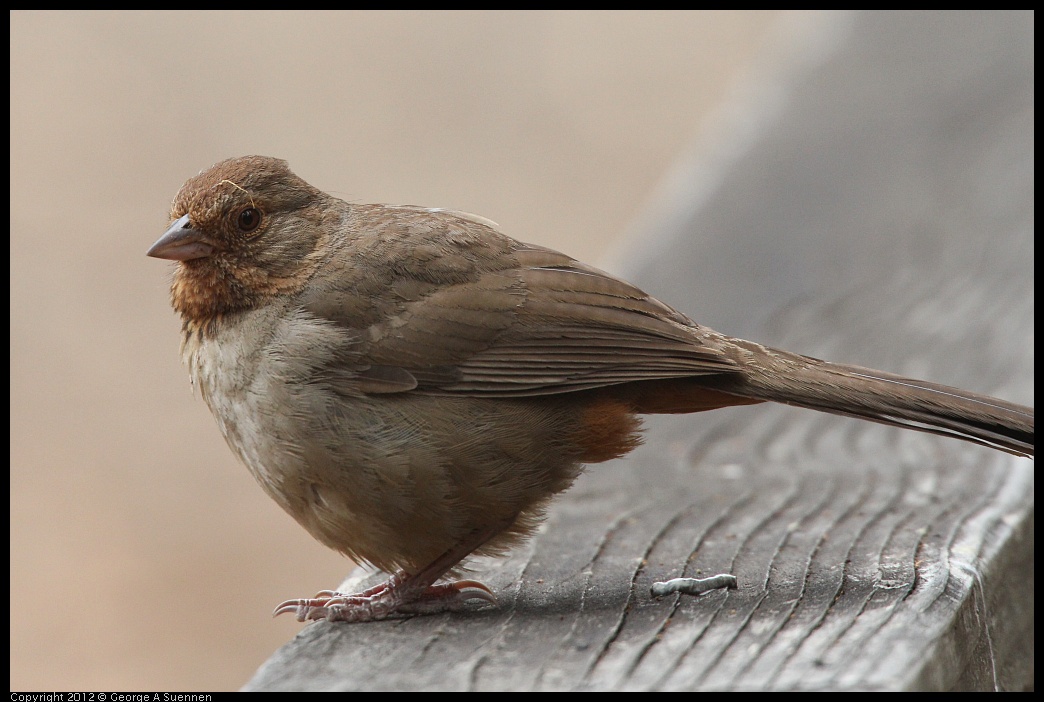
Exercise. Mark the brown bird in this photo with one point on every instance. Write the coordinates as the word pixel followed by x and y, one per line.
pixel 413 386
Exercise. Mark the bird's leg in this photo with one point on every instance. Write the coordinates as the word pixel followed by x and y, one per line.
pixel 402 593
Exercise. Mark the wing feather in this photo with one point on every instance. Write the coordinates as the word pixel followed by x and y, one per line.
pixel 488 316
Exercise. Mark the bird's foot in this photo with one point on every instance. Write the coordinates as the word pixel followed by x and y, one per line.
pixel 396 596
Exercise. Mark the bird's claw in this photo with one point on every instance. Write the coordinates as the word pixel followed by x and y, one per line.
pixel 385 600
pixel 448 598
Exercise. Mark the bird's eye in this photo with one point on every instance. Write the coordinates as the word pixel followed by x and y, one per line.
pixel 248 219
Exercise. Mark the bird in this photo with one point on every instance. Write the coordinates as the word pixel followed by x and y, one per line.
pixel 413 386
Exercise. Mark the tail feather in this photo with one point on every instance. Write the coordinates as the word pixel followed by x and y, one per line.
pixel 889 399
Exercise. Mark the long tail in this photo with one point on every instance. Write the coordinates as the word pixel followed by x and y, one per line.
pixel 882 397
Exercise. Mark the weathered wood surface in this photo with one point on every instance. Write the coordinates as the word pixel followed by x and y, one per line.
pixel 879 213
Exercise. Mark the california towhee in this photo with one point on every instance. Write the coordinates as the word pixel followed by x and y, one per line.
pixel 413 386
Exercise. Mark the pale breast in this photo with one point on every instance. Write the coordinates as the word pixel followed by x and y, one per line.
pixel 253 371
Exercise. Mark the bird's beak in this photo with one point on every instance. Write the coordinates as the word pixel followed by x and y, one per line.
pixel 182 243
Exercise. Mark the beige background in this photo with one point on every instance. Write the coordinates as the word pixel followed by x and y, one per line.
pixel 142 554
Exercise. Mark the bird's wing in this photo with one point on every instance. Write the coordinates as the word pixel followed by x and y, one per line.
pixel 476 313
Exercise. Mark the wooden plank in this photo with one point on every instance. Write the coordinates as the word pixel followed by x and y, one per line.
pixel 881 214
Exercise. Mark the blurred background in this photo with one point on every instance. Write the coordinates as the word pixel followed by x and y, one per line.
pixel 143 556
